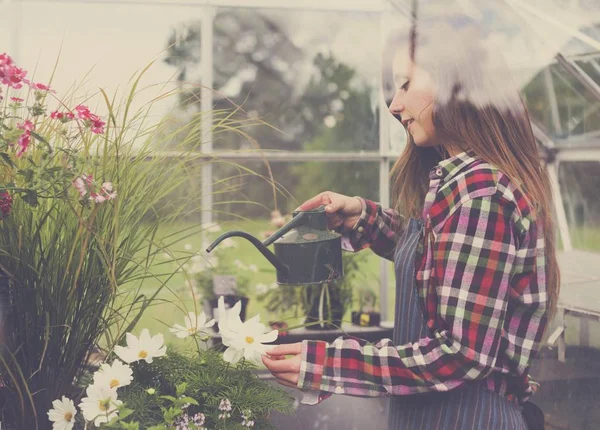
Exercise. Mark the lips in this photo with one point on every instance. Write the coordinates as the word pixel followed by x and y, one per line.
pixel 407 123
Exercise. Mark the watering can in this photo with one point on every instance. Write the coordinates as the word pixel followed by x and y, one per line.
pixel 306 251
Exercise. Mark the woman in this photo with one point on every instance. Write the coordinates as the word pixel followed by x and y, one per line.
pixel 472 239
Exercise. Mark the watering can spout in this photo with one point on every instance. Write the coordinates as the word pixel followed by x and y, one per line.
pixel 259 245
pixel 306 251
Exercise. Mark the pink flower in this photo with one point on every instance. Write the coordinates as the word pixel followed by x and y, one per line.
pixel 79 184
pixel 83 112
pixel 17 99
pixel 41 87
pixel 96 124
pixel 86 183
pixel 5 204
pixel 98 198
pixel 25 138
pixel 62 116
pixel 106 193
pixel 10 74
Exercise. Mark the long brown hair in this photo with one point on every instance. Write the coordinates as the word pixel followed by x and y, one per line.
pixel 497 131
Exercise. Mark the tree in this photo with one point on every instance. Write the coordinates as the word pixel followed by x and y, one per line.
pixel 259 69
pixel 352 126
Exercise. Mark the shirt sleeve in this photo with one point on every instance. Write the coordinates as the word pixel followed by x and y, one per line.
pixel 377 228
pixel 473 255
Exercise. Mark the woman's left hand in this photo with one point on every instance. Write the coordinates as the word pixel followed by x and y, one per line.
pixel 285 370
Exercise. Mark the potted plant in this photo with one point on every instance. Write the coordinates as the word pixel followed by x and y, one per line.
pixel 214 277
pixel 140 386
pixel 83 202
pixel 367 315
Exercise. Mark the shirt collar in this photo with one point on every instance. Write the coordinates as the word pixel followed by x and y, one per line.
pixel 450 167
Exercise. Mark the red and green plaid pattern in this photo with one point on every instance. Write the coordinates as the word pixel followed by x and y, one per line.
pixel 480 274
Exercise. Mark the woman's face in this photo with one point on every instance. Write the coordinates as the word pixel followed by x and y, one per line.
pixel 413 99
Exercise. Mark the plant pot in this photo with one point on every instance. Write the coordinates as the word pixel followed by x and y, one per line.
pixel 366 319
pixel 211 307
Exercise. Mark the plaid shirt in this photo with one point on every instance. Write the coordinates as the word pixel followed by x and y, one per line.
pixel 480 274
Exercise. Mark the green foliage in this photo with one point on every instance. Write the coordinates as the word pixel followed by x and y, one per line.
pixel 356 129
pixel 202 382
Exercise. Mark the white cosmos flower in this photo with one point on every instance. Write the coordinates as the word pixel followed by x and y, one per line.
pixel 243 339
pixel 193 325
pixel 246 340
pixel 228 320
pixel 62 414
pixel 144 348
pixel 115 376
pixel 100 405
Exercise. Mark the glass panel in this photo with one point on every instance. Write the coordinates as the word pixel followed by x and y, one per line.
pixel 576 46
pixel 538 101
pixel 101 45
pixel 249 184
pixel 592 68
pixel 310 77
pixel 244 200
pixel 580 182
pixel 577 107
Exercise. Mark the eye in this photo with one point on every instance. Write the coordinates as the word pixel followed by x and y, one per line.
pixel 405 86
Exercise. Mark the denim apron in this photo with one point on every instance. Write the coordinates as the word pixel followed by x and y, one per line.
pixel 470 407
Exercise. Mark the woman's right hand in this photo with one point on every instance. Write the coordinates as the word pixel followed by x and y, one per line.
pixel 340 209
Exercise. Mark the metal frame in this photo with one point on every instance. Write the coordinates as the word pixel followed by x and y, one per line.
pixel 559 208
pixel 315 5
pixel 384 155
pixel 549 84
pixel 207 117
pixel 576 71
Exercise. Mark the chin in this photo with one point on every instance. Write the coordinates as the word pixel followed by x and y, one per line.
pixel 423 143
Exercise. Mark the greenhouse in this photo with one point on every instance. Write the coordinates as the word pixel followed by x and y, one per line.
pixel 136 134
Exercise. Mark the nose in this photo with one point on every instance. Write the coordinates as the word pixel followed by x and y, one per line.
pixel 397 105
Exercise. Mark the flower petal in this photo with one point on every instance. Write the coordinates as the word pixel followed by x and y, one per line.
pixel 191 320
pixel 269 337
pixel 132 341
pixel 156 342
pixel 201 319
pixel 126 354
pixel 179 331
pixel 145 337
pixel 232 355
